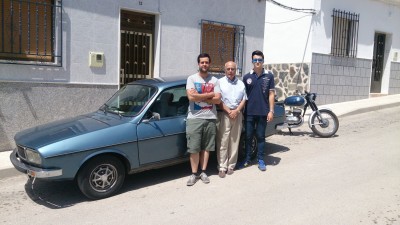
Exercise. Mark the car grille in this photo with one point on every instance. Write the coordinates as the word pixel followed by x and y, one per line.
pixel 21 152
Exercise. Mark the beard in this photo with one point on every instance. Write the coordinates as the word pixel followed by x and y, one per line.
pixel 203 70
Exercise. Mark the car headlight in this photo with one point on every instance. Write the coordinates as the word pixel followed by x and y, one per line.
pixel 33 156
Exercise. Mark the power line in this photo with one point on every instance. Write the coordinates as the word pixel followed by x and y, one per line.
pixel 312 11
pixel 288 21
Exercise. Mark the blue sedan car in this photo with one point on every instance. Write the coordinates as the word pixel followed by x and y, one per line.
pixel 141 127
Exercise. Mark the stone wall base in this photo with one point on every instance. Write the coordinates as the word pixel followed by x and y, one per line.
pixel 24 105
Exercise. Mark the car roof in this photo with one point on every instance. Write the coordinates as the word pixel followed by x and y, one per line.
pixel 163 81
pixel 166 81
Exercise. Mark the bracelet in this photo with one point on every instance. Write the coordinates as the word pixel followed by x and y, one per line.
pixel 271 111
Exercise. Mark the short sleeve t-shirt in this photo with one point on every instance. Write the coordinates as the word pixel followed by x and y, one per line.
pixel 257 89
pixel 202 110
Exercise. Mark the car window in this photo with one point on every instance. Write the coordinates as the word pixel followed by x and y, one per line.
pixel 130 99
pixel 171 102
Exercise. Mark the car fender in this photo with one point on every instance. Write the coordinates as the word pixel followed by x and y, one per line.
pixel 120 154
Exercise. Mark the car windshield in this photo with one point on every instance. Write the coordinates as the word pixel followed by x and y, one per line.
pixel 129 100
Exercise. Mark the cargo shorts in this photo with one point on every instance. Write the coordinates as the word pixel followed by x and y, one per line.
pixel 200 135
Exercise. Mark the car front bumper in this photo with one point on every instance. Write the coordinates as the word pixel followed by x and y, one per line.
pixel 31 170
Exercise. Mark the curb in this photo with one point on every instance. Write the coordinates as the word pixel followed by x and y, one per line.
pixel 368 109
pixel 9 172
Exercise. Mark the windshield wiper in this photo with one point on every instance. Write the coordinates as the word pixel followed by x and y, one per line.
pixel 115 109
pixel 104 108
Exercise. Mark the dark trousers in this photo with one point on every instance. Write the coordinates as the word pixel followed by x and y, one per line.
pixel 256 124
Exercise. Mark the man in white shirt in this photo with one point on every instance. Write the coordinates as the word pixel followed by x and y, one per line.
pixel 233 93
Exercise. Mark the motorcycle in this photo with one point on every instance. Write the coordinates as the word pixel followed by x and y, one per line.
pixel 323 122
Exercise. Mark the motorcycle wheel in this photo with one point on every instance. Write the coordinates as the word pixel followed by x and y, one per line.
pixel 326 125
pixel 242 147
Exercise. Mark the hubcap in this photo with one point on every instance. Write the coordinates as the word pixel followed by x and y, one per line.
pixel 103 177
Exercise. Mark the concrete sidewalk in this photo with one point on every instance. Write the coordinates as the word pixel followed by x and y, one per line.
pixel 365 105
pixel 340 109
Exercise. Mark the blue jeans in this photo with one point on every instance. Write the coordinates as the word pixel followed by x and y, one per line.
pixel 257 124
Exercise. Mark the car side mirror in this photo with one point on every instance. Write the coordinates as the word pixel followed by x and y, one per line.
pixel 155 116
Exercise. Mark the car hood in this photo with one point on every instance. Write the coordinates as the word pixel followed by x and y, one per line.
pixel 73 134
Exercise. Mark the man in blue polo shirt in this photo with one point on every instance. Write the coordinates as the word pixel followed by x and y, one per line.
pixel 260 89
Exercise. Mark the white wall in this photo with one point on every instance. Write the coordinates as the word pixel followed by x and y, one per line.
pixel 285 40
pixel 89 26
pixel 375 16
pixel 286 32
pixel 181 31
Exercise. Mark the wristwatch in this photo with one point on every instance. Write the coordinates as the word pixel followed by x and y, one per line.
pixel 271 111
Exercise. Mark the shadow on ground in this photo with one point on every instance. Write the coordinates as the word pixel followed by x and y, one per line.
pixel 302 133
pixel 63 194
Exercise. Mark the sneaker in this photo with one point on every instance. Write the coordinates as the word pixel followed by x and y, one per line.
pixel 230 172
pixel 261 165
pixel 246 164
pixel 243 164
pixel 192 180
pixel 204 178
pixel 221 174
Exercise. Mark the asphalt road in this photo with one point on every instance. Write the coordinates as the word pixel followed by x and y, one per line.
pixel 352 178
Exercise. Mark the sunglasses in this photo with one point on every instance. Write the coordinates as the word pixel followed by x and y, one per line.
pixel 258 60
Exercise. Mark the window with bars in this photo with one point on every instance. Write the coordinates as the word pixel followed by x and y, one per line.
pixel 344 33
pixel 31 32
pixel 223 42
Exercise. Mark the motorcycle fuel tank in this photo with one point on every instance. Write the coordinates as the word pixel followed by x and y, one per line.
pixel 294 101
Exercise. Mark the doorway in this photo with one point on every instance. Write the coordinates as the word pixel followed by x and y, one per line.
pixel 378 62
pixel 137 30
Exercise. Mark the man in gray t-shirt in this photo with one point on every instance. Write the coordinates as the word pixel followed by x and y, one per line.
pixel 204 93
pixel 202 109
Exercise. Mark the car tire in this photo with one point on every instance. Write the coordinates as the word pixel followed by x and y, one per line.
pixel 101 177
pixel 242 147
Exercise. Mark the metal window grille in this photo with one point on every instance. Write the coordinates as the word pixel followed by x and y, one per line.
pixel 136 56
pixel 31 32
pixel 344 33
pixel 137 31
pixel 223 42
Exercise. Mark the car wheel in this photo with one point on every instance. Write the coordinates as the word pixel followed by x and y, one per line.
pixel 242 147
pixel 101 177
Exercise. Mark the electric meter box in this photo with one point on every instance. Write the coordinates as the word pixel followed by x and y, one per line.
pixel 96 59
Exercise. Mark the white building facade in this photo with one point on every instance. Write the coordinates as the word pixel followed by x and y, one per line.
pixel 346 50
pixel 61 58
